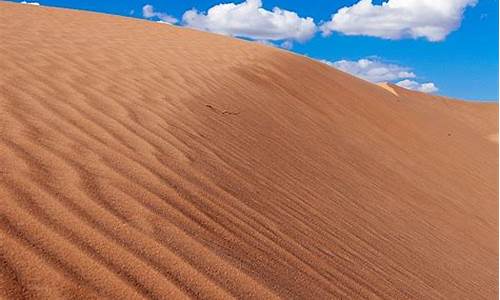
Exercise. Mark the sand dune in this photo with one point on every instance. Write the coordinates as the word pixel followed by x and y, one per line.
pixel 388 87
pixel 139 160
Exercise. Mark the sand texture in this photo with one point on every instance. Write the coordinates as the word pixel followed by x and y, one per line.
pixel 141 160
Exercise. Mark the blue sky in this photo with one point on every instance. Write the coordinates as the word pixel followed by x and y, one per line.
pixel 455 53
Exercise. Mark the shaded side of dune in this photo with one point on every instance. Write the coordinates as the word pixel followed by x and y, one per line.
pixel 139 160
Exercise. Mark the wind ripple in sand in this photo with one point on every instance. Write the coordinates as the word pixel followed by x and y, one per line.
pixel 147 161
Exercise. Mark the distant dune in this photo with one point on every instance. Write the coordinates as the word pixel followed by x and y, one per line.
pixel 139 160
pixel 388 87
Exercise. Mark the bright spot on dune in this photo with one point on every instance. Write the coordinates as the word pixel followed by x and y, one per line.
pixel 387 87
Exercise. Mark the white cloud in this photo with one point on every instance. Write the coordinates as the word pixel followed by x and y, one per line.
pixel 149 12
pixel 265 42
pixel 376 71
pixel 285 44
pixel 397 19
pixel 372 70
pixel 249 20
pixel 31 3
pixel 427 87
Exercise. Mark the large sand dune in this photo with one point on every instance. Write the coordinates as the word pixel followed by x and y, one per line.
pixel 141 160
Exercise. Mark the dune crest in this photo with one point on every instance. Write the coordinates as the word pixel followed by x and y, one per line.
pixel 147 161
pixel 386 86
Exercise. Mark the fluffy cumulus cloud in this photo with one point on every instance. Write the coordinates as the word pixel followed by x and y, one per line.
pixel 427 87
pixel 372 70
pixel 249 20
pixel 149 13
pixel 397 19
pixel 375 70
pixel 31 3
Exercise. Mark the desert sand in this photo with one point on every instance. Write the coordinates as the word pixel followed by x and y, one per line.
pixel 141 160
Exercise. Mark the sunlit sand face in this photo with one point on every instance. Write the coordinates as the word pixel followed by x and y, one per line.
pixel 139 160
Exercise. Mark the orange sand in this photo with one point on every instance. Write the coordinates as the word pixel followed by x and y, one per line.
pixel 139 160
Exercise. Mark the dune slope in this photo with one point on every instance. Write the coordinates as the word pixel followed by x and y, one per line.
pixel 141 160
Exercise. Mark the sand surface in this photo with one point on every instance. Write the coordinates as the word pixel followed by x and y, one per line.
pixel 139 160
pixel 388 87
